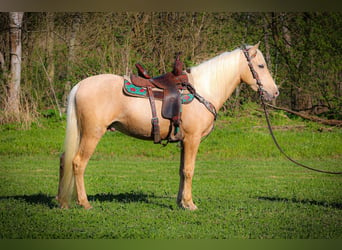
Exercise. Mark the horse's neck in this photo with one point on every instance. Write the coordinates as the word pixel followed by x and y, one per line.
pixel 217 78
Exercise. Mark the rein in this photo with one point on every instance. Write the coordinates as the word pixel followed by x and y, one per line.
pixel 211 108
pixel 261 94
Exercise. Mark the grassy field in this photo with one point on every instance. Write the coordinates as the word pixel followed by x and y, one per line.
pixel 243 187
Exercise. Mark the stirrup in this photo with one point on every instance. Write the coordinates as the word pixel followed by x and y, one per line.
pixel 176 134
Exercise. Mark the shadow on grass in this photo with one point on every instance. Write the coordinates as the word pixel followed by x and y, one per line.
pixel 51 202
pixel 310 202
pixel 128 197
pixel 40 198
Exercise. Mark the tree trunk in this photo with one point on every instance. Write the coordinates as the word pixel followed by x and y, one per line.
pixel 76 20
pixel 50 41
pixel 2 63
pixel 13 101
pixel 267 45
pixel 266 25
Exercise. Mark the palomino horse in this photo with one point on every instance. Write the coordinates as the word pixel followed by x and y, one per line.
pixel 98 102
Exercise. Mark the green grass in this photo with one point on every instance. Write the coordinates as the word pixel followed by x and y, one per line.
pixel 243 187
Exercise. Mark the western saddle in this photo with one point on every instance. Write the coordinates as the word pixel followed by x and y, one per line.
pixel 171 84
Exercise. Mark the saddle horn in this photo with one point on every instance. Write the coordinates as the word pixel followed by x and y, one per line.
pixel 178 65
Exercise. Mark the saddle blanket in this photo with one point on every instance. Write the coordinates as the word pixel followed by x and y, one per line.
pixel 133 90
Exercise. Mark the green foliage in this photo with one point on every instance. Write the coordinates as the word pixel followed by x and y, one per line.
pixel 304 62
pixel 242 185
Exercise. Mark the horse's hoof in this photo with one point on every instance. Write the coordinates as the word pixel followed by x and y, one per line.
pixel 192 207
pixel 188 206
pixel 88 207
pixel 64 206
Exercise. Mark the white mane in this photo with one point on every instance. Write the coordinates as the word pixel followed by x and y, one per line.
pixel 217 75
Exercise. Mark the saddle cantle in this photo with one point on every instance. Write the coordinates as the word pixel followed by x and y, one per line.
pixel 169 84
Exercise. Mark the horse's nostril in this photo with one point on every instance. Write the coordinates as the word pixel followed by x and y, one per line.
pixel 276 93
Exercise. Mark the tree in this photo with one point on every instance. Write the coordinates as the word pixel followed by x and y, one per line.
pixel 75 26
pixel 13 98
pixel 302 51
pixel 50 26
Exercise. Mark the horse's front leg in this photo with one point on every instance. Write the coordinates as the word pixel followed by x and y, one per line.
pixel 186 172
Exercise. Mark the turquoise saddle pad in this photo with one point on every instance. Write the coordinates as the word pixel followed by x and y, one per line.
pixel 131 89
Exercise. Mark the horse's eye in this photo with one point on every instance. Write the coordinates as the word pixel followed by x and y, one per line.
pixel 261 66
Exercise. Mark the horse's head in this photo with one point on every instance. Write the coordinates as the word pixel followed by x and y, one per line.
pixel 269 88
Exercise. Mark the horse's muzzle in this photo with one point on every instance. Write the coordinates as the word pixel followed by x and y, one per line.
pixel 269 96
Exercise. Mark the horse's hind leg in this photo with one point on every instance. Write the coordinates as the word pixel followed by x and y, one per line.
pixel 61 172
pixel 87 146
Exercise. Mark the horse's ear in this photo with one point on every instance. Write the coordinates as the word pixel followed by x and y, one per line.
pixel 253 50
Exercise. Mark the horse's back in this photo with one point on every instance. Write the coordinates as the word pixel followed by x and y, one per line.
pixel 97 95
pixel 99 83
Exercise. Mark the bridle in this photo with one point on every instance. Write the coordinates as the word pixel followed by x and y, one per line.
pixel 261 92
pixel 255 75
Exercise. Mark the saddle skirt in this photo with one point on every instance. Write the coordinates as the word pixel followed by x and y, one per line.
pixel 136 91
pixel 167 88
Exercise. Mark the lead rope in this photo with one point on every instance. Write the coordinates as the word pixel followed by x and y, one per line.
pixel 261 94
pixel 282 151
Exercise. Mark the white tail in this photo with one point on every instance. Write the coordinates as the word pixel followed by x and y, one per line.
pixel 71 144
